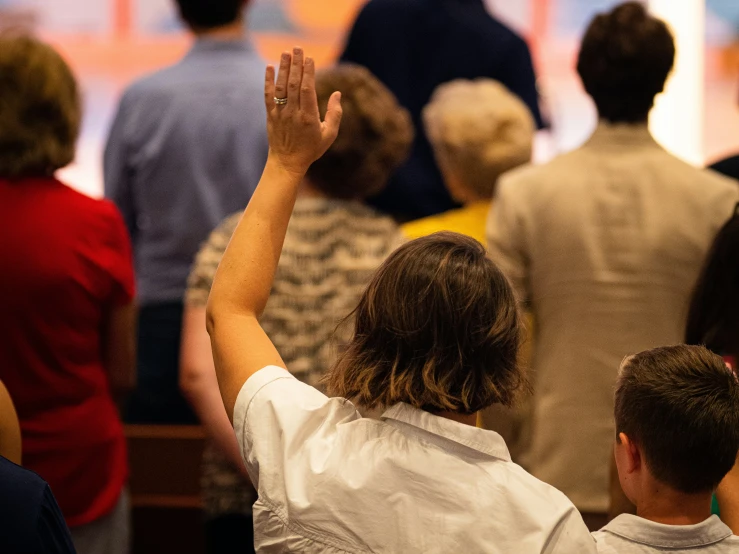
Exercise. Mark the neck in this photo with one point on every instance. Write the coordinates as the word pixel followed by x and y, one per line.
pixel 637 123
pixel 232 31
pixel 467 419
pixel 671 507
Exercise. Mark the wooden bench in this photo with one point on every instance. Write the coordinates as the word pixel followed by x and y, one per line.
pixel 166 507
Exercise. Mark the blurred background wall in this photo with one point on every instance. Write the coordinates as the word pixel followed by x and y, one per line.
pixel 111 42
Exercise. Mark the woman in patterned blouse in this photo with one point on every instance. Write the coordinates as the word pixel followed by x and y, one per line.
pixel 334 244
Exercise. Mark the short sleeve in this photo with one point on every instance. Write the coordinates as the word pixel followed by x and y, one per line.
pixel 51 530
pixel 206 263
pixel 116 256
pixel 285 427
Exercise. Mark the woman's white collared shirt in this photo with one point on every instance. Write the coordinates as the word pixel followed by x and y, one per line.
pixel 332 481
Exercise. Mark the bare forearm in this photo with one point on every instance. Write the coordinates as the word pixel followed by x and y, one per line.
pixel 205 399
pixel 244 278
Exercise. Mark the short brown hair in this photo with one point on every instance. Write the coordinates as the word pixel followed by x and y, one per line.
pixel 680 404
pixel 437 328
pixel 40 109
pixel 374 139
pixel 625 59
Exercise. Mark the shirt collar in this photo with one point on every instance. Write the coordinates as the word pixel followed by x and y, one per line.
pixel 481 440
pixel 210 45
pixel 659 535
pixel 621 135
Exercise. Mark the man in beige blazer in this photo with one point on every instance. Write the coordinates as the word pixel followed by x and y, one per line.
pixel 604 244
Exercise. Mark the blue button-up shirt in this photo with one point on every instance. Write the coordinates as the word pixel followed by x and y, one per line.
pixel 186 149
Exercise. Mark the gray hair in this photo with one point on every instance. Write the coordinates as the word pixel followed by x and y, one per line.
pixel 479 130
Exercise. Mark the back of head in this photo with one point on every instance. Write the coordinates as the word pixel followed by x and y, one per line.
pixel 437 328
pixel 374 139
pixel 625 59
pixel 204 15
pixel 40 110
pixel 713 319
pixel 479 130
pixel 680 405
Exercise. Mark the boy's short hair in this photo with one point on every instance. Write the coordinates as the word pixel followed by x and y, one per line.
pixel 480 130
pixel 680 404
pixel 40 110
pixel 437 328
pixel 202 15
pixel 624 61
pixel 375 136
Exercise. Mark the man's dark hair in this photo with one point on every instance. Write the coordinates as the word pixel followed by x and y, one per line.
pixel 625 59
pixel 202 15
pixel 680 404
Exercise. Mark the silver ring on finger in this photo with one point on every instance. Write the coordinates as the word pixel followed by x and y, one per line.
pixel 280 101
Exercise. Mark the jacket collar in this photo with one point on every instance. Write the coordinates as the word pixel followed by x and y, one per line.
pixel 659 535
pixel 619 135
pixel 431 426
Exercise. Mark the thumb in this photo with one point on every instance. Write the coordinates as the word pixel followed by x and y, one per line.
pixel 334 112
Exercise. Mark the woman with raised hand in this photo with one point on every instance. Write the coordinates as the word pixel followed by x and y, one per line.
pixel 333 245
pixel 436 339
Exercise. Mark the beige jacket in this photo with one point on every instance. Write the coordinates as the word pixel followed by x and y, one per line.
pixel 605 244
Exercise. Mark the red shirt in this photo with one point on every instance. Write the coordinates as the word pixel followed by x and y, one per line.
pixel 65 261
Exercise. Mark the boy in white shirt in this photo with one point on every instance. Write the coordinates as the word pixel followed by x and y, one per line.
pixel 677 421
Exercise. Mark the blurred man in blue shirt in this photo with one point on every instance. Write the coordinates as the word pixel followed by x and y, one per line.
pixel 186 149
pixel 458 39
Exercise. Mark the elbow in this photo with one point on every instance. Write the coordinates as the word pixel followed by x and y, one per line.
pixel 211 316
pixel 188 382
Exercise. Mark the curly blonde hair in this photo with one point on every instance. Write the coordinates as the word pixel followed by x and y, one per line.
pixel 40 111
pixel 479 130
pixel 375 136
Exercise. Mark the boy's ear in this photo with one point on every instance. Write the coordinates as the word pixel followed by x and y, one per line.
pixel 631 454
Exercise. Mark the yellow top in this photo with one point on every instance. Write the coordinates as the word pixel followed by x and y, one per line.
pixel 469 220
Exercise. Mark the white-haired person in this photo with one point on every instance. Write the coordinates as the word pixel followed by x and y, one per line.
pixel 478 130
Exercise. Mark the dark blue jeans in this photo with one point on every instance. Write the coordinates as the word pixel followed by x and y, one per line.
pixel 157 398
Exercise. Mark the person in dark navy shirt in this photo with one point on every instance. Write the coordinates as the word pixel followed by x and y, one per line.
pixel 31 520
pixel 413 46
pixel 728 167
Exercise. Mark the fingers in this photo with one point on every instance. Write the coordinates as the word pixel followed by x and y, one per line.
pixel 295 78
pixel 282 77
pixel 333 116
pixel 308 99
pixel 269 88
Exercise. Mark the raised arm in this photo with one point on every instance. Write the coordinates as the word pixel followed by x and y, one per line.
pixel 242 284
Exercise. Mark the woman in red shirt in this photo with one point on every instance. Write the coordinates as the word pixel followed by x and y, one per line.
pixel 66 293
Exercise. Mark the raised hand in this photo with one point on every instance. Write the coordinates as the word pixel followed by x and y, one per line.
pixel 297 136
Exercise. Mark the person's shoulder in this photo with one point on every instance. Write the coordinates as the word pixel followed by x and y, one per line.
pixel 18 483
pixel 728 167
pixel 392 7
pixel 154 82
pixel 532 178
pixel 543 494
pixel 82 204
pixel 705 182
pixel 85 211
